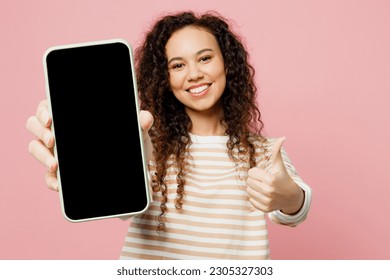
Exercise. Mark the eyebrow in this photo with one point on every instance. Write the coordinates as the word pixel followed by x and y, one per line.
pixel 197 53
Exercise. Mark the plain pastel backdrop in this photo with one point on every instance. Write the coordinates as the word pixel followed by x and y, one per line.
pixel 323 72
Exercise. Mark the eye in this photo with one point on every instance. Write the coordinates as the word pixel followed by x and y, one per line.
pixel 177 65
pixel 205 58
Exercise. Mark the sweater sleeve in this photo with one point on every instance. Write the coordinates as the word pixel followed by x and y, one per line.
pixel 293 220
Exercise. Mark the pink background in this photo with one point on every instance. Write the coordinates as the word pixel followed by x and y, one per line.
pixel 323 70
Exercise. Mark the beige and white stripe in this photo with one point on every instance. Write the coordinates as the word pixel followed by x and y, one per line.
pixel 217 220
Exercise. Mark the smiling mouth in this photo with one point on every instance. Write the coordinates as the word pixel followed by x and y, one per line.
pixel 198 90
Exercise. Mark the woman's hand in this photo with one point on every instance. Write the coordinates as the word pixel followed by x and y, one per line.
pixel 275 190
pixel 42 147
pixel 146 121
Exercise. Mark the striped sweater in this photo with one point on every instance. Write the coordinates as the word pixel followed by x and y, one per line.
pixel 217 221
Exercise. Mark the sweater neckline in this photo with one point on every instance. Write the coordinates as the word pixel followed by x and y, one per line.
pixel 216 139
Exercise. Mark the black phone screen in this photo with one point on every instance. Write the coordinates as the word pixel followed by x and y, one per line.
pixel 92 94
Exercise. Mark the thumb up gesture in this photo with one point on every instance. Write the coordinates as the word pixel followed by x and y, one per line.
pixel 274 190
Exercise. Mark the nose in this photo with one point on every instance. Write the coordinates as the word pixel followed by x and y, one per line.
pixel 194 72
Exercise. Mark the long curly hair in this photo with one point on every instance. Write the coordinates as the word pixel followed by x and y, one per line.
pixel 170 132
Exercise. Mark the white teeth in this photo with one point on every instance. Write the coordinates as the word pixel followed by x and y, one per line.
pixel 198 89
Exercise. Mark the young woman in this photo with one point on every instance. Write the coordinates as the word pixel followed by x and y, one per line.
pixel 214 175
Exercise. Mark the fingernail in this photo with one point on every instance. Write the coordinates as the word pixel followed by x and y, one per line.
pixel 46 118
pixel 55 186
pixel 47 138
pixel 49 163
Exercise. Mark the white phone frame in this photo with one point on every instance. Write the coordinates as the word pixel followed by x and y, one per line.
pixel 145 168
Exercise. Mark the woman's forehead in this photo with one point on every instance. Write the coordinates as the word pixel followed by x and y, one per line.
pixel 190 40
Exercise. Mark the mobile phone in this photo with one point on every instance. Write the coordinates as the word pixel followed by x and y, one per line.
pixel 92 93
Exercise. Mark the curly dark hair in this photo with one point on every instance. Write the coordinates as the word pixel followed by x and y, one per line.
pixel 170 132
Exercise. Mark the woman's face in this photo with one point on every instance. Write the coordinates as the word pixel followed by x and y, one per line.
pixel 196 69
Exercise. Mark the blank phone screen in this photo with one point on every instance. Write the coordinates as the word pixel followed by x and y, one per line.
pixel 97 137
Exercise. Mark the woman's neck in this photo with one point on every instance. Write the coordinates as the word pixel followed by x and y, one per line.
pixel 207 123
